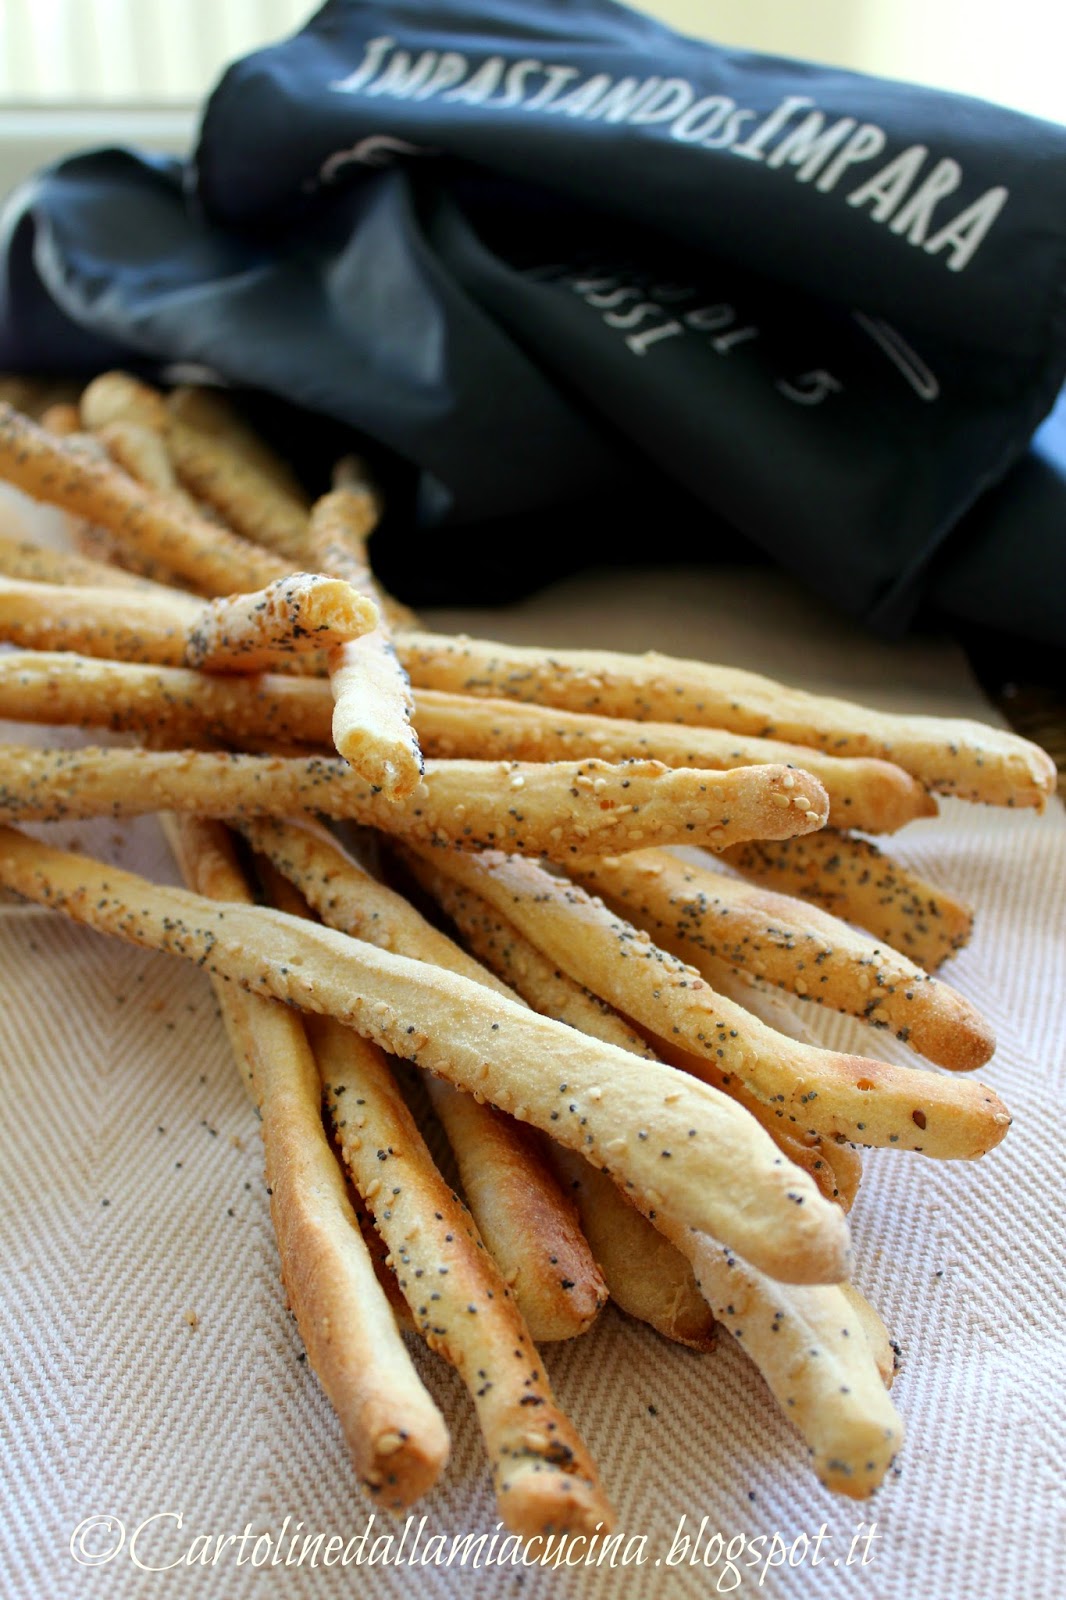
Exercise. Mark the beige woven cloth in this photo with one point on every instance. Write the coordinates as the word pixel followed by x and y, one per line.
pixel 133 1195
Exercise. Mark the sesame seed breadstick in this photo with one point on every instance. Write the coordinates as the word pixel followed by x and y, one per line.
pixel 250 501
pixel 396 1435
pixel 723 1175
pixel 528 1224
pixel 863 793
pixel 463 805
pixel 645 1275
pixel 210 411
pixel 297 615
pixel 543 1475
pixel 35 563
pixel 372 697
pixel 718 923
pixel 836 1169
pixel 852 1438
pixel 810 1346
pixel 947 755
pixel 836 1095
pixel 172 703
pixel 858 882
pixel 140 520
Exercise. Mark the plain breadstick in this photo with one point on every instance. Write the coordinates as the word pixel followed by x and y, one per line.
pixel 140 520
pixel 835 1168
pixel 463 805
pixel 885 1351
pixel 396 1435
pixel 295 615
pixel 947 755
pixel 836 1095
pixel 863 793
pixel 810 1346
pixel 372 717
pixel 175 705
pixel 34 563
pixel 251 501
pixel 709 1166
pixel 528 1224
pixel 859 882
pixel 542 1473
pixel 714 921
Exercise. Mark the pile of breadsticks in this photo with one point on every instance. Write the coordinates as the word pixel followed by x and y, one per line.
pixel 629 1115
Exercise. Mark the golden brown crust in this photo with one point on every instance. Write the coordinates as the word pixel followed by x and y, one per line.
pixel 463 805
pixel 524 1217
pixel 948 755
pixel 859 882
pixel 172 703
pixel 396 1435
pixel 211 412
pixel 300 615
pixel 543 1475
pixel 62 418
pixel 372 717
pixel 139 519
pixel 820 1091
pixel 33 563
pixel 713 922
pixel 863 793
pixel 251 501
pixel 723 1175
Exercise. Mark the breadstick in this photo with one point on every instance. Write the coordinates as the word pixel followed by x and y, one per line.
pixel 172 703
pixel 722 1174
pixel 463 805
pixel 250 501
pixel 542 1473
pixel 294 615
pixel 395 1433
pixel 62 419
pixel 863 793
pixel 35 563
pixel 836 1169
pixel 715 922
pixel 811 1348
pixel 948 755
pixel 372 720
pixel 885 1351
pixel 838 1096
pixel 210 411
pixel 97 545
pixel 858 882
pixel 528 1224
pixel 645 1275
pixel 142 453
pixel 140 520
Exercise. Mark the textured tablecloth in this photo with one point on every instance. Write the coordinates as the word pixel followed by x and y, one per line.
pixel 132 1195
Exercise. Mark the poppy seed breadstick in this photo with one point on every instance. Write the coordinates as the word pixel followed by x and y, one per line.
pixel 211 412
pixel 250 501
pixel 885 1353
pixel 836 1169
pixel 543 1475
pixel 296 615
pixel 863 793
pixel 820 1091
pixel 174 704
pixel 810 1345
pixel 528 1224
pixel 372 697
pixel 716 922
pixel 396 1435
pixel 34 563
pixel 463 805
pixel 142 521
pixel 947 755
pixel 645 1275
pixel 722 1175
pixel 858 882
pixel 142 453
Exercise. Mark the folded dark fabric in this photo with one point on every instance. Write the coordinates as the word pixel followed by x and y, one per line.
pixel 603 290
